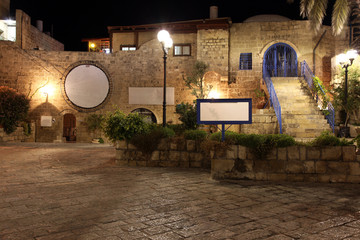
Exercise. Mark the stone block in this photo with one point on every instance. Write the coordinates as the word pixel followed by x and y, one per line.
pixel 190 145
pixel 232 152
pixel 184 156
pixel 293 153
pixel 120 154
pixel 354 168
pixel 313 153
pixel 277 166
pixel 295 177
pixel 163 156
pixel 324 178
pixel 173 146
pixel 174 156
pixel 340 168
pixel 337 178
pixel 279 177
pixel 122 162
pixel 261 166
pixel 261 176
pixel 163 145
pixel 331 153
pixel 353 179
pixel 155 156
pixel 131 146
pixel 140 163
pixel 242 152
pixel 221 166
pixel 294 166
pixel 184 164
pixel 282 154
pixel 321 166
pixel 349 153
pixel 303 156
pixel 309 166
pixel 272 155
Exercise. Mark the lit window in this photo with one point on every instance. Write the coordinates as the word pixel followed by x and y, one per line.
pixel 182 50
pixel 127 48
pixel 245 61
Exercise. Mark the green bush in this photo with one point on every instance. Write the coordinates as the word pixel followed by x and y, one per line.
pixel 188 115
pixel 119 126
pixel 14 108
pixel 148 141
pixel 195 134
pixel 230 137
pixel 94 122
pixel 328 139
pixel 179 129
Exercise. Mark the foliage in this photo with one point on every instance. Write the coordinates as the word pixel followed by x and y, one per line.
pixel 260 144
pixel 259 93
pixel 14 107
pixel 148 141
pixel 188 115
pixel 27 128
pixel 195 134
pixel 179 129
pixel 321 91
pixel 94 122
pixel 315 11
pixel 328 139
pixel 351 106
pixel 119 126
pixel 195 82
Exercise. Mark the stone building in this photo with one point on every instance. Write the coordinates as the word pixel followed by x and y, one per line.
pixel 65 87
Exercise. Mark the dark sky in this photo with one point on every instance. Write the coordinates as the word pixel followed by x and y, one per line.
pixel 73 20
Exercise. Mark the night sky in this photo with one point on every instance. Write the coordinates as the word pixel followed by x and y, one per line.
pixel 77 19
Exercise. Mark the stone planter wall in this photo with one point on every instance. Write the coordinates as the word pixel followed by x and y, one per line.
pixel 297 163
pixel 170 153
pixel 18 135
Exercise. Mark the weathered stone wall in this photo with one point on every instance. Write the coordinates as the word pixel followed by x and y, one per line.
pixel 29 37
pixel 169 153
pixel 4 9
pixel 297 163
pixel 18 135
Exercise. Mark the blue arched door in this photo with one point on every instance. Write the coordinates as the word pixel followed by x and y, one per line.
pixel 280 60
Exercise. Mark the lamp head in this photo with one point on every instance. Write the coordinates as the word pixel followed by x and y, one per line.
pixel 165 39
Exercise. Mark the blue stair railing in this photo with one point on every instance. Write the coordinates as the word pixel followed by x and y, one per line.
pixel 273 97
pixel 309 76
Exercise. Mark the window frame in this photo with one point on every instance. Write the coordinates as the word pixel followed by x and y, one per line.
pixel 245 61
pixel 182 45
pixel 128 46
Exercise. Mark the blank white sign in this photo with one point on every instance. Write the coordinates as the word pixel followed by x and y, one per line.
pixel 150 95
pixel 224 111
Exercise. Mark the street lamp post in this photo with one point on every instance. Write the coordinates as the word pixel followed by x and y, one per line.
pixel 346 60
pixel 166 42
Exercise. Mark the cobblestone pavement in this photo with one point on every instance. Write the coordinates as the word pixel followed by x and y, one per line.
pixel 75 191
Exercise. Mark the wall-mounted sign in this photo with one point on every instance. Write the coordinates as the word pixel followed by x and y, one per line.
pixel 46 121
pixel 150 95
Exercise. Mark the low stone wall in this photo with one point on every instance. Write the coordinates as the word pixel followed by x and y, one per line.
pixel 18 135
pixel 296 163
pixel 170 153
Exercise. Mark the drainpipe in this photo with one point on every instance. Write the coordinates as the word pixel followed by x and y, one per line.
pixel 317 44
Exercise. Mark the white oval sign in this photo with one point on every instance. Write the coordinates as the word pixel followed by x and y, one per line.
pixel 87 86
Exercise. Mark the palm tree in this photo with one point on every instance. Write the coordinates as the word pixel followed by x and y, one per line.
pixel 343 11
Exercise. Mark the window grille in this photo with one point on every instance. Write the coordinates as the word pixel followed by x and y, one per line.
pixel 182 50
pixel 245 61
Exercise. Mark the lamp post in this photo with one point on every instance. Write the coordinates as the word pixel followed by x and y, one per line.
pixel 166 42
pixel 346 60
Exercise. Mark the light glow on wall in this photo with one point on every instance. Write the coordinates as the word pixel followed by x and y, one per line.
pixel 214 94
pixel 8 30
pixel 47 90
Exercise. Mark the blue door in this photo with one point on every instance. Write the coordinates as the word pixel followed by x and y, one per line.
pixel 280 60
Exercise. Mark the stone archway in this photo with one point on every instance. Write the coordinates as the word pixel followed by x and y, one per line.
pixel 280 60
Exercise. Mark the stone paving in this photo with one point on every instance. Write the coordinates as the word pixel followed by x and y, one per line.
pixel 75 191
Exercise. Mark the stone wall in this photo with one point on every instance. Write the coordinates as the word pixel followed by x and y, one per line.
pixel 297 163
pixel 18 135
pixel 173 153
pixel 29 37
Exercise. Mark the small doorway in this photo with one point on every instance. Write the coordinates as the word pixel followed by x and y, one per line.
pixel 280 60
pixel 69 130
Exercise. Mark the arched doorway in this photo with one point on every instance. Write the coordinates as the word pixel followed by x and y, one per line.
pixel 280 60
pixel 148 115
pixel 69 129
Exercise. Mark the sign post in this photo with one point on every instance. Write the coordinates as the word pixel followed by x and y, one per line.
pixel 224 111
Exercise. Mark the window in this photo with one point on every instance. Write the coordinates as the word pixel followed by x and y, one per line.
pixel 127 47
pixel 149 116
pixel 182 50
pixel 245 61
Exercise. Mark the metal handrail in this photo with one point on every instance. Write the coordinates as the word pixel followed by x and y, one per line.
pixel 273 97
pixel 309 76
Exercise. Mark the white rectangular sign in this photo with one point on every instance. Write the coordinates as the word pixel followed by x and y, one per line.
pixel 150 95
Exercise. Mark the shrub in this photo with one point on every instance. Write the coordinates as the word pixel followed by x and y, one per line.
pixel 148 141
pixel 230 137
pixel 179 129
pixel 328 139
pixel 14 107
pixel 94 122
pixel 195 134
pixel 119 126
pixel 188 115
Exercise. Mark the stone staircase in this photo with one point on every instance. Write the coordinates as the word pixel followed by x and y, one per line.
pixel 301 118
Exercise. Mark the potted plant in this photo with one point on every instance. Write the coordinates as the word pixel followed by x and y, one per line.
pixel 260 97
